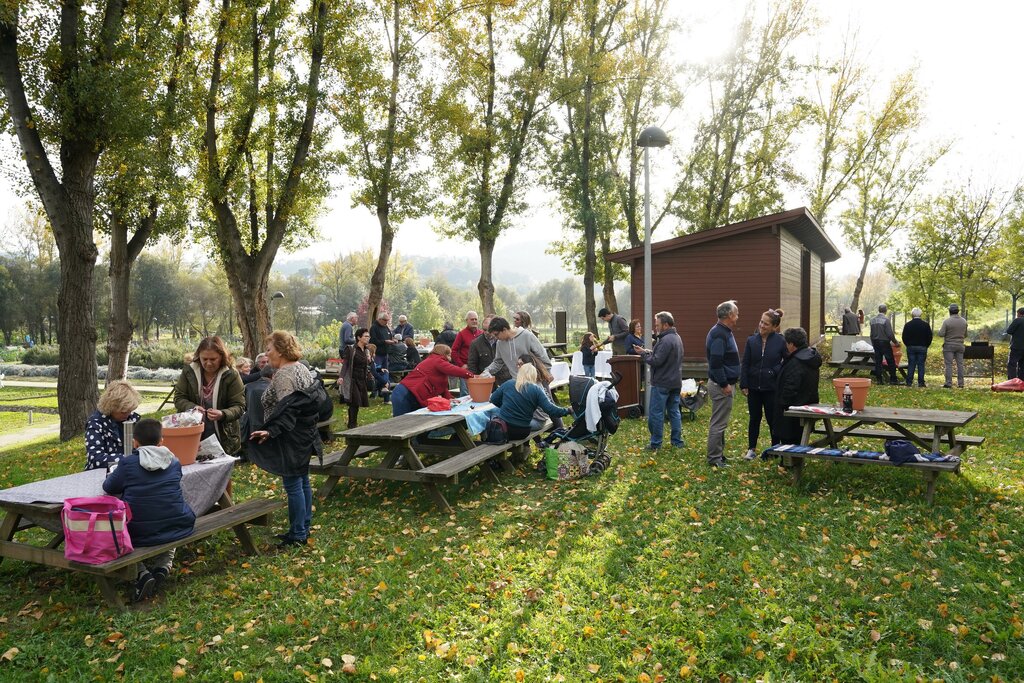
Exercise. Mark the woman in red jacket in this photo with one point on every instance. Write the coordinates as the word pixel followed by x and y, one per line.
pixel 428 379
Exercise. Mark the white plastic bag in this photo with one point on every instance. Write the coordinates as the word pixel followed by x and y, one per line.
pixel 689 386
pixel 189 418
pixel 210 448
pixel 861 345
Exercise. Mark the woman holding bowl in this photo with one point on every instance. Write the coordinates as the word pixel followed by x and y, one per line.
pixel 211 384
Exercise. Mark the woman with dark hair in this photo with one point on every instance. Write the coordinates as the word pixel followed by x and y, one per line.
pixel 355 376
pixel 519 401
pixel 428 379
pixel 588 353
pixel 211 383
pixel 635 336
pixel 762 357
pixel 291 408
pixel 797 383
pixel 522 319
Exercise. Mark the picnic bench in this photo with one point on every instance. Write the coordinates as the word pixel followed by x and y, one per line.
pixel 902 423
pixel 402 441
pixel 856 361
pixel 45 512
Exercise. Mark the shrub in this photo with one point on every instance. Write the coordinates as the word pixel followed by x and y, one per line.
pixel 12 355
pixel 328 336
pixel 41 354
pixel 316 356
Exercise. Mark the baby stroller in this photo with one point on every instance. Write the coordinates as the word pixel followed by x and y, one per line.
pixel 602 399
pixel 691 403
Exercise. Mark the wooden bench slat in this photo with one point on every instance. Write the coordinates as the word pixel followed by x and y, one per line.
pixel 867 433
pixel 449 467
pixel 942 466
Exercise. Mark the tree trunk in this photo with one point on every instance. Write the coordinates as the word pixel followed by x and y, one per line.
pixel 77 390
pixel 387 239
pixel 855 302
pixel 589 219
pixel 248 286
pixel 119 328
pixel 610 301
pixel 486 285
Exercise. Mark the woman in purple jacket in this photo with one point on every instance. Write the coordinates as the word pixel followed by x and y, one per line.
pixel 762 356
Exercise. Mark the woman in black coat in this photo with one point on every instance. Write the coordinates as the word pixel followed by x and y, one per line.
pixel 354 385
pixel 797 384
pixel 762 356
pixel 291 408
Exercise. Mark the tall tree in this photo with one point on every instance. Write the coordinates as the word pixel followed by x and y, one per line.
pixel 264 161
pixel 587 41
pixel 1008 270
pixel 886 181
pixel 67 83
pixel 738 161
pixel 498 56
pixel 383 109
pixel 140 187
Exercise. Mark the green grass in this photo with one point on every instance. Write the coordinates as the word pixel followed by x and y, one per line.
pixel 659 568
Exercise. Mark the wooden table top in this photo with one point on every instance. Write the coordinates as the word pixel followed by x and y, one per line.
pixel 402 427
pixel 940 418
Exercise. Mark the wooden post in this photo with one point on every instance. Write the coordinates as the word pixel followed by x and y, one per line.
pixel 560 327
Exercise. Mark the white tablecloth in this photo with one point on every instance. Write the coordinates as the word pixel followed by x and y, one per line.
pixel 202 483
pixel 601 367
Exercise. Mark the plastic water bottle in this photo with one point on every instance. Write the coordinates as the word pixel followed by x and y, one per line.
pixel 847 399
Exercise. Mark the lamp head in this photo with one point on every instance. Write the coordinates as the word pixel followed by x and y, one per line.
pixel 652 136
pixel 277 295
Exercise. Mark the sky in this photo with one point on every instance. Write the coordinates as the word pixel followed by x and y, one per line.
pixel 964 53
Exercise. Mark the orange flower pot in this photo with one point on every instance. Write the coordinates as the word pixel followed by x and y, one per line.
pixel 183 442
pixel 480 388
pixel 859 386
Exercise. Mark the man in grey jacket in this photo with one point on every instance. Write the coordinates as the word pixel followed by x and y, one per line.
pixel 953 332
pixel 618 328
pixel 666 361
pixel 883 339
pixel 511 344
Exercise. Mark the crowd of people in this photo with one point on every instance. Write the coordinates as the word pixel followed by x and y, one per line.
pixel 266 412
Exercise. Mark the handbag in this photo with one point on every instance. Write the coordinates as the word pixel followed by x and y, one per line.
pixel 496 431
pixel 95 529
pixel 438 404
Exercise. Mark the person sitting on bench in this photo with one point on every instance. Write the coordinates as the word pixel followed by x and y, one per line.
pixel 149 481
pixel 518 400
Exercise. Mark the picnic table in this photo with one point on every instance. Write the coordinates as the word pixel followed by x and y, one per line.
pixel 931 430
pixel 403 441
pixel 40 503
pixel 856 361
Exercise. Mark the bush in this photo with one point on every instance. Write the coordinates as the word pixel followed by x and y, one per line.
pixel 316 356
pixel 41 354
pixel 12 355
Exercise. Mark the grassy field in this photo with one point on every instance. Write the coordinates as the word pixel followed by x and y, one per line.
pixel 661 569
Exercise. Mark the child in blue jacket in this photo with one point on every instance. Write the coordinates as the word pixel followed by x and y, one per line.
pixel 149 481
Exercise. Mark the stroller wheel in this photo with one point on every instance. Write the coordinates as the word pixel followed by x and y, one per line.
pixel 636 413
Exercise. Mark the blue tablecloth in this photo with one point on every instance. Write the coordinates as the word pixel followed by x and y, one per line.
pixel 477 415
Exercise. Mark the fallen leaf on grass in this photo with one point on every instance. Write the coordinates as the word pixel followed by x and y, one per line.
pixel 593 668
pixel 10 655
pixel 876 636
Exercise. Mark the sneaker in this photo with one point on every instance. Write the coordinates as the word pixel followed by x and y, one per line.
pixel 143 588
pixel 652 448
pixel 947 386
pixel 160 575
pixel 751 454
pixel 290 543
pixel 718 463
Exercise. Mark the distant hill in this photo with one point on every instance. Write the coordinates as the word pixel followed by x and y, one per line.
pixel 520 266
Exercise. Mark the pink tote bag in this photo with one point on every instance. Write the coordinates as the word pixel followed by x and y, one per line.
pixel 96 529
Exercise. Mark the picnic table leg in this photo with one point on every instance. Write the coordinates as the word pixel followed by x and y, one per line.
pixel 9 526
pixel 933 476
pixel 110 592
pixel 438 497
pixel 332 479
pixel 798 471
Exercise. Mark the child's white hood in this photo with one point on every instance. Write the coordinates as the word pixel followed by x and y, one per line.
pixel 155 458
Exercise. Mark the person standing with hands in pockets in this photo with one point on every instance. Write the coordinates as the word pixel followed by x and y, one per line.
pixel 723 370
pixel 666 361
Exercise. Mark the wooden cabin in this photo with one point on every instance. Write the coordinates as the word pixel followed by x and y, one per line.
pixel 763 263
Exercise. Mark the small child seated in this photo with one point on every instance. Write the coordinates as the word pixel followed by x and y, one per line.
pixel 150 483
pixel 588 351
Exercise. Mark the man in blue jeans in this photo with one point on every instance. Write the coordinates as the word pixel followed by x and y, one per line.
pixel 666 361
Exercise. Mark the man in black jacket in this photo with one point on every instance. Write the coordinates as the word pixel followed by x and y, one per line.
pixel 1015 363
pixel 666 361
pixel 917 336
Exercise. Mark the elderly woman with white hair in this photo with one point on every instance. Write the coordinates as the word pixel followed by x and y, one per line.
pixel 104 431
pixel 917 337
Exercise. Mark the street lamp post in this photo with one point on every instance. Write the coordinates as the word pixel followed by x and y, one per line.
pixel 652 136
pixel 277 295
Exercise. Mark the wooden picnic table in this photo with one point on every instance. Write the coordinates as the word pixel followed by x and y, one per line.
pixel 403 440
pixel 40 504
pixel 862 360
pixel 929 429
